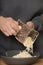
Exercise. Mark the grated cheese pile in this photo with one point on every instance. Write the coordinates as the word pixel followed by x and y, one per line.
pixel 23 54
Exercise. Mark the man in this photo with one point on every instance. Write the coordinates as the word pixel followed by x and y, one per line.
pixel 30 12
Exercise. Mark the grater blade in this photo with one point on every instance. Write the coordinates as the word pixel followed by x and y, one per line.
pixel 23 33
pixel 26 32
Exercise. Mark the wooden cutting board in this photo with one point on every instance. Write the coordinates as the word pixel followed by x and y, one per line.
pixel 2 62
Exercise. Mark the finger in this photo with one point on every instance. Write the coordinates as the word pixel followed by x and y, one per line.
pixel 13 23
pixel 7 29
pixel 15 27
pixel 12 31
pixel 12 20
pixel 5 32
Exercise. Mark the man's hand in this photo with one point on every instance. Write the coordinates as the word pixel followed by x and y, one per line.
pixel 8 26
pixel 30 24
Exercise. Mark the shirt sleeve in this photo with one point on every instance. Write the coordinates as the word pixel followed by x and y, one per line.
pixel 38 22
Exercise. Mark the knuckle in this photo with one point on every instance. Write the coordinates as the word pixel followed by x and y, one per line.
pixel 10 18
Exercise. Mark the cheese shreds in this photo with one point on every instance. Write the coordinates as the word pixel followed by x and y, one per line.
pixel 29 44
pixel 23 54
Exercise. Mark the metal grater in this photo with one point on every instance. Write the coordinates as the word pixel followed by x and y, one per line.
pixel 25 32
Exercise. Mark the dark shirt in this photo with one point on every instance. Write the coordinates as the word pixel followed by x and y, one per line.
pixel 26 10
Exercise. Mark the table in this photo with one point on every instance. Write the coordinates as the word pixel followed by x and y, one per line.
pixel 39 62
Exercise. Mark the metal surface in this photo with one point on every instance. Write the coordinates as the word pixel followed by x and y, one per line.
pixel 26 32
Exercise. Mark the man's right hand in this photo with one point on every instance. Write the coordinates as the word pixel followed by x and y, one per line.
pixel 8 26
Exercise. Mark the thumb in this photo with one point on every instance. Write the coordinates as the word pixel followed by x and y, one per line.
pixel 30 24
